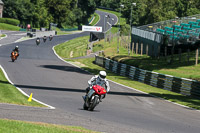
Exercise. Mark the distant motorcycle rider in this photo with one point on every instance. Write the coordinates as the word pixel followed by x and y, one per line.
pixel 99 80
pixel 16 50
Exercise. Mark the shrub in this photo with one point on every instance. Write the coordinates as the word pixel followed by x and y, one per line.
pixel 11 21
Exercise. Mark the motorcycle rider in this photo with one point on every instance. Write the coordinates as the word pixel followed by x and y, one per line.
pixel 99 80
pixel 16 50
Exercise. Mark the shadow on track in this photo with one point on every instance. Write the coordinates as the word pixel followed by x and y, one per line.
pixel 50 88
pixel 94 111
pixel 64 68
pixel 82 90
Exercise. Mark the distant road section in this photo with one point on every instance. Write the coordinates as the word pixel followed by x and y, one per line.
pixel 12 36
pixel 104 20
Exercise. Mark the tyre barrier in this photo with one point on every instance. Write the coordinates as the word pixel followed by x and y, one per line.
pixel 183 86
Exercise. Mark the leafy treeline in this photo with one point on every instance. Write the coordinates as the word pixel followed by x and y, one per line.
pixel 39 13
pixel 150 11
pixel 70 13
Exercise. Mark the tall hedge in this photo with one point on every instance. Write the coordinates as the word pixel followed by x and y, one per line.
pixel 11 21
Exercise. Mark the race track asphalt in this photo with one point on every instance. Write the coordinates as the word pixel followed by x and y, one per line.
pixel 61 85
pixel 11 36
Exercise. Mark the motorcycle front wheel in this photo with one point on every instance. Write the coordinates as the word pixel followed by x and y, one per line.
pixel 85 107
pixel 93 104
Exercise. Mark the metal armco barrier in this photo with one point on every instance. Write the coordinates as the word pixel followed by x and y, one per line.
pixel 180 85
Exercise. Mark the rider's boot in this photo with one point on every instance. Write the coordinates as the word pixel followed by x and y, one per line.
pixel 84 97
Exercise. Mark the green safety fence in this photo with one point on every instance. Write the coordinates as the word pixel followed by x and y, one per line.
pixel 72 29
pixel 22 29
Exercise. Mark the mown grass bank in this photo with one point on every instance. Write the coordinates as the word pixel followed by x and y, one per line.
pixel 4 26
pixel 9 94
pixel 62 33
pixel 111 49
pixel 12 126
pixel 73 48
pixel 181 69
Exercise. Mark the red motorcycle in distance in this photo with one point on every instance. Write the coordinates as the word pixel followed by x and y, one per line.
pixel 93 97
pixel 14 56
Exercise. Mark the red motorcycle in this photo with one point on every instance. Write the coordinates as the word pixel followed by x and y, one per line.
pixel 93 97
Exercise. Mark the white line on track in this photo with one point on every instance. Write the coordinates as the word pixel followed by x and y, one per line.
pixel 51 107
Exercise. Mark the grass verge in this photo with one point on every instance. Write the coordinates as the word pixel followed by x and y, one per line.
pixel 73 48
pixel 9 94
pixel 3 35
pixel 4 26
pixel 62 33
pixel 178 68
pixel 12 126
pixel 96 19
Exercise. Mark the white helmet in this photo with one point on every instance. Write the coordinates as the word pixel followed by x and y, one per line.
pixel 102 75
pixel 16 47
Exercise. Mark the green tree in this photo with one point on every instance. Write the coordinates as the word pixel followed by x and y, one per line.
pixel 59 10
pixel 19 9
pixel 11 9
pixel 87 8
